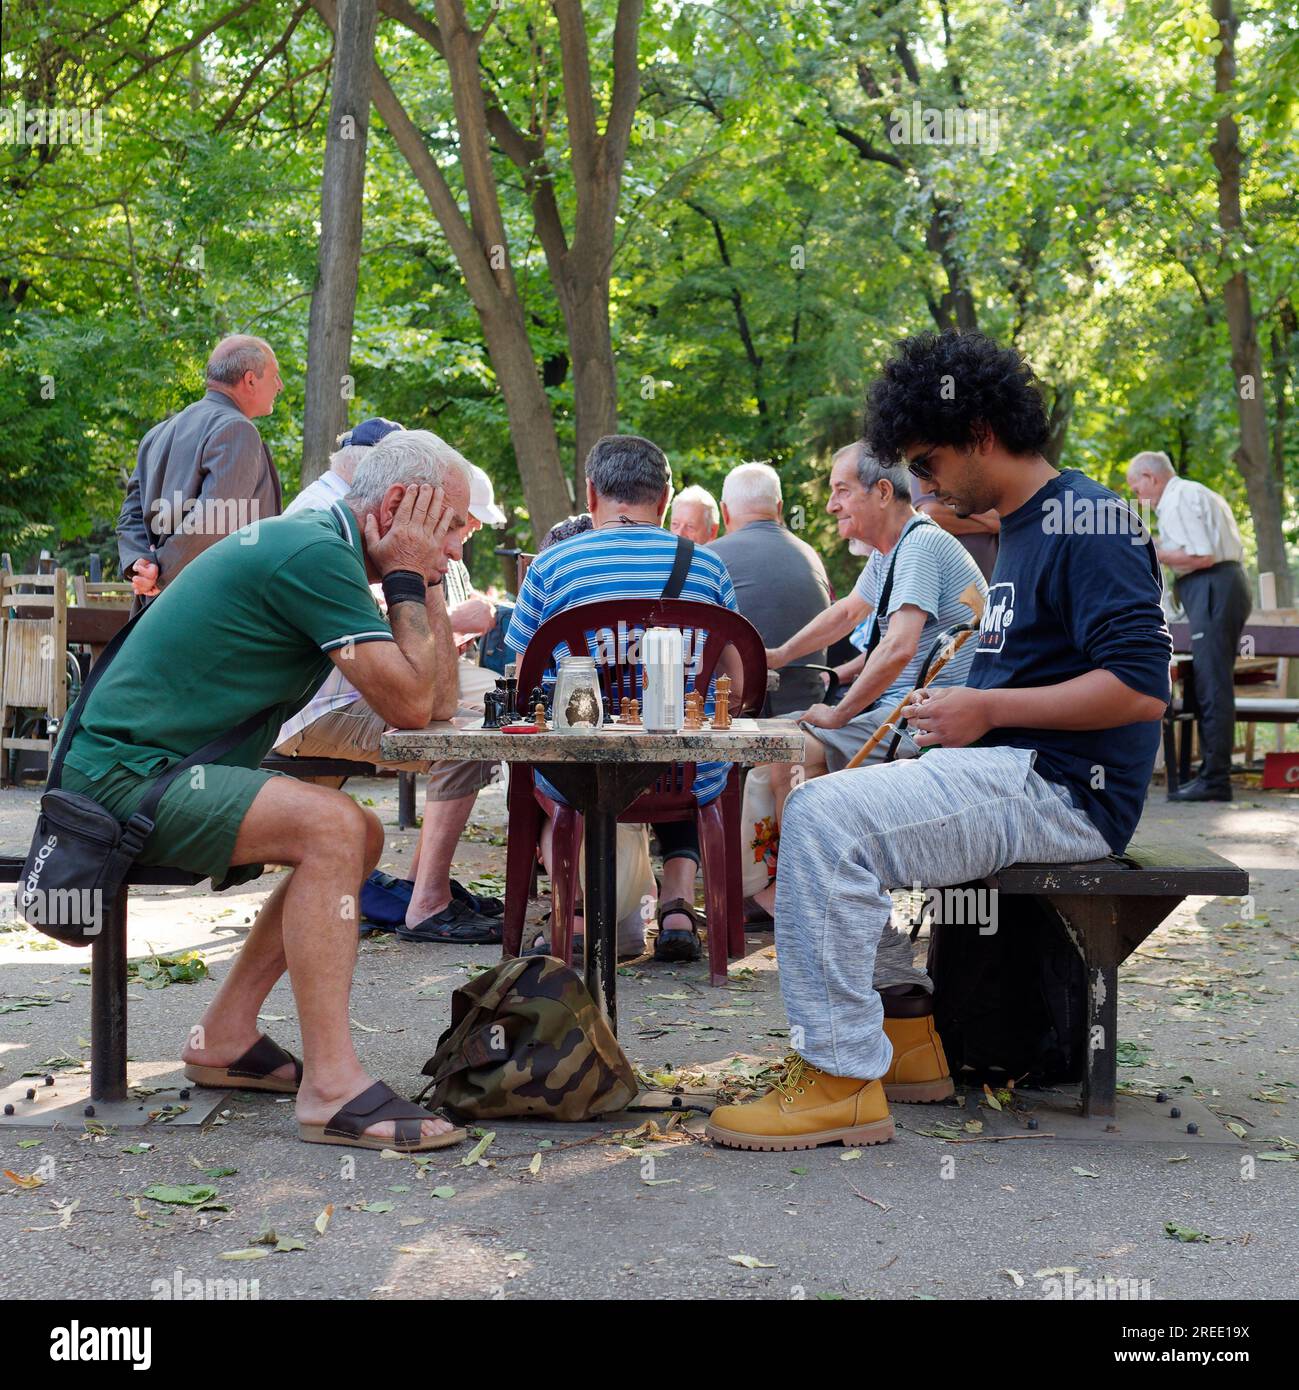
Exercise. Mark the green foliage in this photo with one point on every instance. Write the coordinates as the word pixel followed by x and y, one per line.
pixel 774 238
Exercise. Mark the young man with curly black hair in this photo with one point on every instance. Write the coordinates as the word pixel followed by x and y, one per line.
pixel 1044 755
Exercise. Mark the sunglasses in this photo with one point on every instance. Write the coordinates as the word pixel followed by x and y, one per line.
pixel 921 467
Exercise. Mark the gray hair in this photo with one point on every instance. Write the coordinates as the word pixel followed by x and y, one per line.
pixel 347 460
pixel 870 471
pixel 1152 461
pixel 404 458
pixel 234 356
pixel 703 497
pixel 752 487
pixel 627 468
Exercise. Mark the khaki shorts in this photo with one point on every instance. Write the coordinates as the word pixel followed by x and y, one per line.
pixel 196 822
pixel 354 731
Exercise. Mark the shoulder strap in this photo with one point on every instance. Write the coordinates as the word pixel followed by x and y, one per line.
pixel 680 568
pixel 73 716
pixel 886 590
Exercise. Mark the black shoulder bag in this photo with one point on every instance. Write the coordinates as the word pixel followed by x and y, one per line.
pixel 81 852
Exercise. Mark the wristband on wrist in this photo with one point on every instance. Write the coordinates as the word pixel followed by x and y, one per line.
pixel 404 586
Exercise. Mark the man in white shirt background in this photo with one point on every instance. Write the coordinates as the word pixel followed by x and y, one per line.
pixel 1200 542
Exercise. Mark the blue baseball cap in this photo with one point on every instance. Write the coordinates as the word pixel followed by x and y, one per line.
pixel 369 432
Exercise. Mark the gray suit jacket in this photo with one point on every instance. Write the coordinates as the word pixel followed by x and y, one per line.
pixel 198 476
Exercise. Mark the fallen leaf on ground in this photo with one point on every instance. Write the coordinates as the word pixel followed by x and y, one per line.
pixel 187 1195
pixel 478 1149
pixel 1187 1234
pixel 749 1262
pixel 322 1221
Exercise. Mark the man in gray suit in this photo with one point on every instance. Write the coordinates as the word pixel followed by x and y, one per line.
pixel 204 472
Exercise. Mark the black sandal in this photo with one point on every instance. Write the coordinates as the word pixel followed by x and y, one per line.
pixel 676 943
pixel 376 1103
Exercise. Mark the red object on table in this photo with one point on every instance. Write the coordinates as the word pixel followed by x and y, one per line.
pixel 672 797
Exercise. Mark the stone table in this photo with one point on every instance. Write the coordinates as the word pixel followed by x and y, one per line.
pixel 600 774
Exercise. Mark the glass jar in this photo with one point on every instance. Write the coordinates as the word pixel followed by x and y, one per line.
pixel 577 703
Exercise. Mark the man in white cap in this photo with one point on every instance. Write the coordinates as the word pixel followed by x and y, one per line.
pixel 337 723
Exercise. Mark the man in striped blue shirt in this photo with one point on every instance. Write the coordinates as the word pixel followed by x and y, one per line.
pixel 627 554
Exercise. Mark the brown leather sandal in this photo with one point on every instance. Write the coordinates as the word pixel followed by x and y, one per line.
pixel 675 943
pixel 252 1072
pixel 376 1103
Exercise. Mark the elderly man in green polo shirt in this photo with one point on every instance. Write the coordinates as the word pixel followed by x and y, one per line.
pixel 251 627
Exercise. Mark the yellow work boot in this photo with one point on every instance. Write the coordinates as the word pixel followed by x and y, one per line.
pixel 919 1071
pixel 805 1107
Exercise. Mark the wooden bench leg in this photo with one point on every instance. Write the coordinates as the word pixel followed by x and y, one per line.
pixel 405 800
pixel 108 1007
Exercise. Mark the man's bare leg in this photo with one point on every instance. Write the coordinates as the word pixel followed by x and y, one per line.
pixel 309 924
pixel 784 778
pixel 444 823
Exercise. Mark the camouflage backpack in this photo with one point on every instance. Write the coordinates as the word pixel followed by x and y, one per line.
pixel 527 1039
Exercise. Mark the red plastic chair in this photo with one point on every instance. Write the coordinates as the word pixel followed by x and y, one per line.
pixel 672 796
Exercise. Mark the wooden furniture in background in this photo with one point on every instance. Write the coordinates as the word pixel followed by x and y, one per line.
pixel 33 657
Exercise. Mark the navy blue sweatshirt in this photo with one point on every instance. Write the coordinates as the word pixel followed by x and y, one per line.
pixel 1077 588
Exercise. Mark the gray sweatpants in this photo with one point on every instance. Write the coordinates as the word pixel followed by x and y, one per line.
pixel 950 816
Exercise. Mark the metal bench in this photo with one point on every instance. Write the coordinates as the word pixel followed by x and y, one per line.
pixel 108 953
pixel 1109 907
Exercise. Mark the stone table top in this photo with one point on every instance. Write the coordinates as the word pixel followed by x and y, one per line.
pixel 748 741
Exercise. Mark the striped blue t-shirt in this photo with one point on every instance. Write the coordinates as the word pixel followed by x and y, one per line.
pixel 618 561
pixel 932 570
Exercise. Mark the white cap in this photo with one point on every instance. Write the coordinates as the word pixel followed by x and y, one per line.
pixel 482 498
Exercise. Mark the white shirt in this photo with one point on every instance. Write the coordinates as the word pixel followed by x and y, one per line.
pixel 1197 520
pixel 320 495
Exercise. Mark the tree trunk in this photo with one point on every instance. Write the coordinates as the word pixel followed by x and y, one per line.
pixel 1266 499
pixel 333 305
pixel 595 379
pixel 1058 424
pixel 482 254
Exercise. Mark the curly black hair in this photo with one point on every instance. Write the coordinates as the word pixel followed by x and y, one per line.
pixel 954 388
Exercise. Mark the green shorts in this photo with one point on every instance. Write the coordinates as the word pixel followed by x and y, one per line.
pixel 197 820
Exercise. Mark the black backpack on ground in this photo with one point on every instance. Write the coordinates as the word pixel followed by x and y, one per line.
pixel 1013 1004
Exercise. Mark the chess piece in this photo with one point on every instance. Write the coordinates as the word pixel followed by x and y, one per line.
pixel 632 716
pixel 722 704
pixel 539 717
pixel 694 710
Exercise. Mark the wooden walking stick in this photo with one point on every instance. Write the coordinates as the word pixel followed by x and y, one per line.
pixel 974 601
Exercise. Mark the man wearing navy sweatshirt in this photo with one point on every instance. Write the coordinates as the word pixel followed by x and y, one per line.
pixel 1044 755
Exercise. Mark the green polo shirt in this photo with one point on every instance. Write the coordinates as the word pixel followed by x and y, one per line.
pixel 246 626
